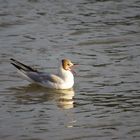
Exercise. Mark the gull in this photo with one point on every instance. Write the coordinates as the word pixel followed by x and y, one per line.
pixel 63 80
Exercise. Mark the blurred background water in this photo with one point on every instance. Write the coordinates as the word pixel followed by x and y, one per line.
pixel 103 36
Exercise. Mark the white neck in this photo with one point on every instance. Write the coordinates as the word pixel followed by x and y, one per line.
pixel 66 75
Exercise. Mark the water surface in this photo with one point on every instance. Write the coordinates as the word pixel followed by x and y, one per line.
pixel 103 36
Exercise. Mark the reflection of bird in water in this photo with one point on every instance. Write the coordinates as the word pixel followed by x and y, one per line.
pixel 65 99
pixel 36 94
pixel 63 80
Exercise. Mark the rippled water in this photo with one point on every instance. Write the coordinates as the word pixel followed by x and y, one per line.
pixel 103 36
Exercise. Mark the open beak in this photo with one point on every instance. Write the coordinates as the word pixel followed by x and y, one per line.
pixel 72 68
pixel 75 64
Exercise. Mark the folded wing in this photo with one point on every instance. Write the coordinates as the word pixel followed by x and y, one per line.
pixel 33 75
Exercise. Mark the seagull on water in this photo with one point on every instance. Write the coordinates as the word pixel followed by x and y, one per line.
pixel 63 80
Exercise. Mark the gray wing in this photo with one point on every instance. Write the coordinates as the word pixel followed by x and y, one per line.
pixel 34 75
pixel 41 77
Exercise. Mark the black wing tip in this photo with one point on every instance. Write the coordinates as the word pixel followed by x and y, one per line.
pixel 22 66
pixel 11 58
pixel 18 67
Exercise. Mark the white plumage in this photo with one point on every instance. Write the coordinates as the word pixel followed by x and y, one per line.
pixel 63 80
